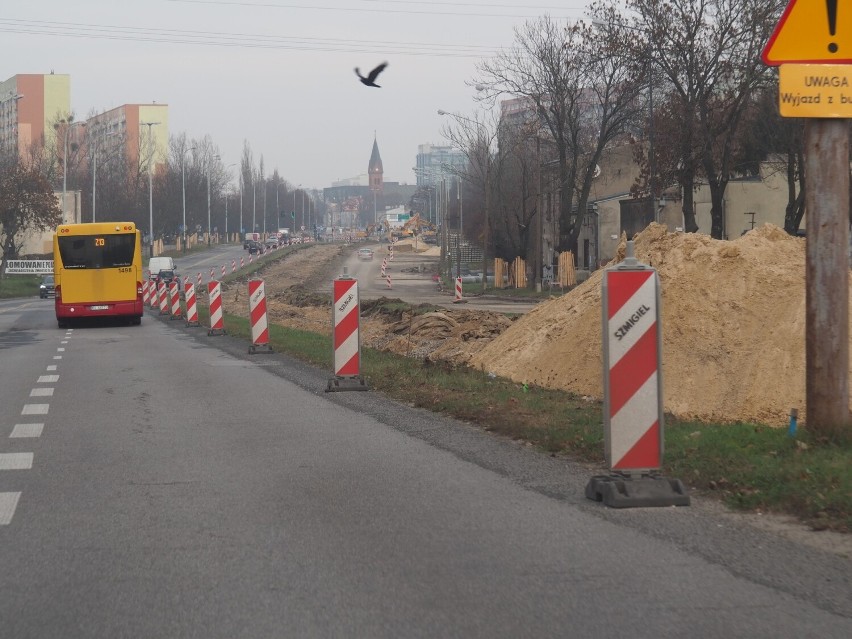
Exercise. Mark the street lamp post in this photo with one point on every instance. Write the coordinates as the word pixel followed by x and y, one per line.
pixel 69 124
pixel 485 234
pixel 95 149
pixel 294 209
pixel 150 185
pixel 183 190
pixel 209 168
pixel 226 205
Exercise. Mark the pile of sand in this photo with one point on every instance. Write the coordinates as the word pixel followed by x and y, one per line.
pixel 733 323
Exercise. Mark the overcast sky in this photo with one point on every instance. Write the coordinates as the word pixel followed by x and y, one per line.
pixel 276 73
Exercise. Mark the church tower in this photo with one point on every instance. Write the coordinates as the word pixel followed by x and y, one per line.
pixel 375 170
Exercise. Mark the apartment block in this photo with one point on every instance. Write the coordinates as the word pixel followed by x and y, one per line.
pixel 30 104
pixel 141 129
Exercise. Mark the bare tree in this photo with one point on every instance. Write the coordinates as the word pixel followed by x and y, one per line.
pixel 708 51
pixel 581 94
pixel 27 204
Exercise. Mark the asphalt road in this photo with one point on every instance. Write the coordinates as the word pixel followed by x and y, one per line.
pixel 159 482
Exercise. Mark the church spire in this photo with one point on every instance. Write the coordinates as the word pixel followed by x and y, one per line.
pixel 375 170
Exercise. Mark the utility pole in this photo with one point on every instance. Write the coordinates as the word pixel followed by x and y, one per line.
pixel 150 184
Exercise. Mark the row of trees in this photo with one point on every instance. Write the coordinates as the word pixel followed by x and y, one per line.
pixel 116 185
pixel 681 81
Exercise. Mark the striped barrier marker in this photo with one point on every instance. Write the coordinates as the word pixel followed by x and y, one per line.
pixel 233 266
pixel 384 265
pixel 346 339
pixel 251 258
pixel 390 248
pixel 212 274
pixel 174 296
pixel 242 262
pixel 199 278
pixel 633 393
pixel 163 297
pixel 458 299
pixel 223 270
pixel 388 280
pixel 217 323
pixel 146 293
pixel 191 304
pixel 258 319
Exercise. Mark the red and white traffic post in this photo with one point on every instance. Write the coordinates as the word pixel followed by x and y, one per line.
pixel 191 304
pixel 459 299
pixel 146 293
pixel 633 391
pixel 346 339
pixel 258 318
pixel 217 322
pixel 174 297
pixel 163 297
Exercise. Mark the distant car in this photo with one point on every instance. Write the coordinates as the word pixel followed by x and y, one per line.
pixel 47 287
pixel 272 242
pixel 166 276
pixel 255 247
pixel 365 254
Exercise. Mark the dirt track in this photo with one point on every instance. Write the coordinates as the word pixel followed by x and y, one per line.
pixel 298 292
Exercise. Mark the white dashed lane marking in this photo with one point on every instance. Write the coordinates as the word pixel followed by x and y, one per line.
pixel 60 350
pixel 48 379
pixel 57 357
pixel 52 367
pixel 8 503
pixel 35 409
pixel 41 392
pixel 16 461
pixel 27 430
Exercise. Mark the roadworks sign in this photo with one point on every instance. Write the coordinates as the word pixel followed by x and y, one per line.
pixel 815 91
pixel 812 31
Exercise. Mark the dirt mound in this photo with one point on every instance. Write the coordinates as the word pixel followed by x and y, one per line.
pixel 733 321
pixel 447 335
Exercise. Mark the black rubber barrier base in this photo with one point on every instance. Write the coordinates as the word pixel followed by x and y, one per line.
pixel 254 349
pixel 646 491
pixel 346 384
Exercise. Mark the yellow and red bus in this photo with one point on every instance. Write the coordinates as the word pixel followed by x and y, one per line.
pixel 98 271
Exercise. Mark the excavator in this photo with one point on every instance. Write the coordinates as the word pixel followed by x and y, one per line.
pixel 416 225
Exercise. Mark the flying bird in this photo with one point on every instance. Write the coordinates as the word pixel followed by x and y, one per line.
pixel 370 80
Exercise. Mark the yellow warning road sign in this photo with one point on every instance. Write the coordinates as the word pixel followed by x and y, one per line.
pixel 815 91
pixel 816 31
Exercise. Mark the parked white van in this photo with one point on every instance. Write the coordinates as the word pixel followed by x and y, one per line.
pixel 157 264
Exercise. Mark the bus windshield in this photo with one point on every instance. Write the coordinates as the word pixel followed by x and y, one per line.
pixel 97 251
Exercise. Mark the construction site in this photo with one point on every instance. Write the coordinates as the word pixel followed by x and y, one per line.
pixel 733 317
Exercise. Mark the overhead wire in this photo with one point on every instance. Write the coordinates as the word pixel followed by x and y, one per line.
pixel 215 38
pixel 277 5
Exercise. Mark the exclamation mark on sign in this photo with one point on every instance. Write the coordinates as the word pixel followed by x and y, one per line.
pixel 831 5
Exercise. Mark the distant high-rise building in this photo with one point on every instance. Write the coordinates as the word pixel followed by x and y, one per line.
pixel 435 162
pixel 30 105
